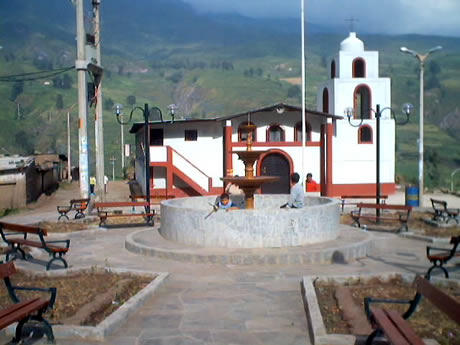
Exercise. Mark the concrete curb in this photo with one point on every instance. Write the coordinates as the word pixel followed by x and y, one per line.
pixel 318 332
pixel 261 256
pixel 424 238
pixel 114 320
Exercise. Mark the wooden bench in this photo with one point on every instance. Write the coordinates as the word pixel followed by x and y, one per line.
pixel 104 212
pixel 394 326
pixel 344 198
pixel 441 256
pixel 24 311
pixel 10 232
pixel 401 215
pixel 442 213
pixel 79 205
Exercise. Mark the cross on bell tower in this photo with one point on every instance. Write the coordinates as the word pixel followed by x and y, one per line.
pixel 352 21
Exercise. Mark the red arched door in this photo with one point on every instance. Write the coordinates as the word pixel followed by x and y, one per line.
pixel 275 164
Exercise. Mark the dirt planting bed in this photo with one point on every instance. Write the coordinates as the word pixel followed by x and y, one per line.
pixel 83 298
pixel 428 321
pixel 416 225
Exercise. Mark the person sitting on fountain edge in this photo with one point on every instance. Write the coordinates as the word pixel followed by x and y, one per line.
pixel 225 203
pixel 297 195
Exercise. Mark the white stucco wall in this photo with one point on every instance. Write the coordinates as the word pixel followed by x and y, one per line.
pixel 345 63
pixel 355 163
pixel 206 153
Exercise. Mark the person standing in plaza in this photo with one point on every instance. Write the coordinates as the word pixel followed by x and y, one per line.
pixel 106 183
pixel 92 184
pixel 311 185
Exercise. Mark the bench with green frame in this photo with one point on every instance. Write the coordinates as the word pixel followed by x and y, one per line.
pixel 394 327
pixel 27 313
pixel 17 236
pixel 398 214
pixel 107 210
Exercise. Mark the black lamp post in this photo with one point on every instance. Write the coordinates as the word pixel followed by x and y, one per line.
pixel 146 111
pixel 407 109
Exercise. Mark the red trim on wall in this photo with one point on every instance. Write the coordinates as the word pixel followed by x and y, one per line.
pixel 322 167
pixel 362 189
pixel 267 132
pixel 279 143
pixel 298 128
pixel 333 69
pixel 355 113
pixel 325 100
pixel 355 61
pixel 281 152
pixel 169 172
pixel 329 134
pixel 360 135
pixel 228 131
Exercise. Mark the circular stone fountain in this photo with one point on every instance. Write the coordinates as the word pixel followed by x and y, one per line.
pixel 184 220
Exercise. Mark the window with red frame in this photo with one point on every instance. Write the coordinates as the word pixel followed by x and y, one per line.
pixel 275 133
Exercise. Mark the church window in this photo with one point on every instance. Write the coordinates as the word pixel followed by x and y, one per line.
pixel 298 131
pixel 362 102
pixel 191 135
pixel 365 135
pixel 325 100
pixel 333 69
pixel 275 133
pixel 243 134
pixel 359 68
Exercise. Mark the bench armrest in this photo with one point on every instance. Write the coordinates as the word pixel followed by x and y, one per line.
pixel 442 250
pixel 52 291
pixel 16 233
pixel 67 242
pixel 369 300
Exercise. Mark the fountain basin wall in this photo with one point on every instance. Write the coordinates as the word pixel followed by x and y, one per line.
pixel 183 220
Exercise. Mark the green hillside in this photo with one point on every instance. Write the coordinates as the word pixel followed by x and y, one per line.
pixel 213 69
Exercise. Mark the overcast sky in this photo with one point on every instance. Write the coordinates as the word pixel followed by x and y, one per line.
pixel 436 17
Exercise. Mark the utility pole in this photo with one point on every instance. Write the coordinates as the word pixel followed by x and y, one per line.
pixel 81 66
pixel 98 125
pixel 113 159
pixel 122 150
pixel 69 165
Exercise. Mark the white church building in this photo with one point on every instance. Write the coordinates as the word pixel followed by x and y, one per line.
pixel 188 157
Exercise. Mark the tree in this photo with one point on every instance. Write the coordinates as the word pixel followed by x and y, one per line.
pixel 131 99
pixel 175 77
pixel 294 91
pixel 16 90
pixel 67 81
pixel 434 67
pixel 108 104
pixel 59 102
pixel 22 140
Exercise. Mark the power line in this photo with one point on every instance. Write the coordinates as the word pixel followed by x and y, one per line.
pixel 34 75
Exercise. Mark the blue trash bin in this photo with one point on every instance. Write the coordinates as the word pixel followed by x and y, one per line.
pixel 412 196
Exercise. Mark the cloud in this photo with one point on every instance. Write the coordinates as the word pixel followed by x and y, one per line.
pixel 438 17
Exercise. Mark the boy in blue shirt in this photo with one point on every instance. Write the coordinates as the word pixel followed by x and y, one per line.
pixel 225 203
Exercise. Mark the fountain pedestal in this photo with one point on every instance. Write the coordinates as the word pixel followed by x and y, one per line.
pixel 249 183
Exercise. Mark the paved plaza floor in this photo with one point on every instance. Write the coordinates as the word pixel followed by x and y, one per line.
pixel 207 304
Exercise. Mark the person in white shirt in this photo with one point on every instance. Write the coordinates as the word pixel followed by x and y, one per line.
pixel 297 195
pixel 106 182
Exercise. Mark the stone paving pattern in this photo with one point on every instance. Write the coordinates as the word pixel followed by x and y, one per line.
pixel 206 304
